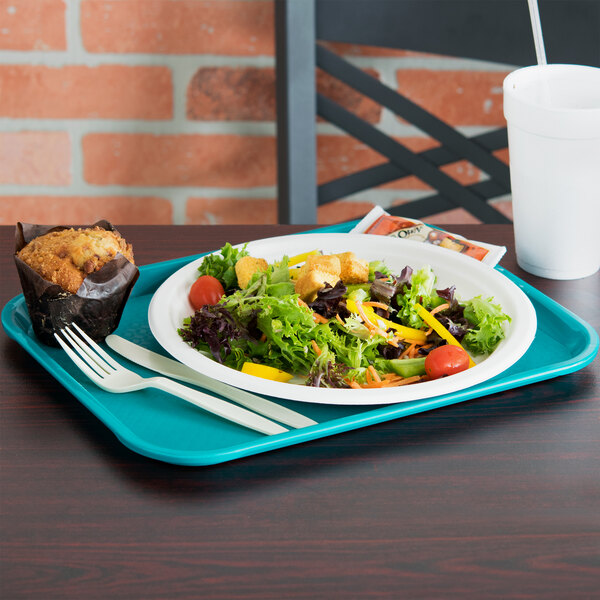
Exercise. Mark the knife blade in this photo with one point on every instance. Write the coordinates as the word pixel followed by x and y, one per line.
pixel 176 370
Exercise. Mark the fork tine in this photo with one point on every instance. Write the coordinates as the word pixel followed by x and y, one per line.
pixel 87 353
pixel 93 374
pixel 107 357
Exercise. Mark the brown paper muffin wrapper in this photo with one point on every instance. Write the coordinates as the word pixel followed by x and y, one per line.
pixel 96 307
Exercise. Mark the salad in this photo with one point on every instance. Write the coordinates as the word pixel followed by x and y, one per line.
pixel 335 320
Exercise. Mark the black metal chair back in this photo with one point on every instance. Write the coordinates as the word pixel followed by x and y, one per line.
pixel 490 30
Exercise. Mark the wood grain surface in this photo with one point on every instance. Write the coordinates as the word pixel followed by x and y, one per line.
pixel 491 498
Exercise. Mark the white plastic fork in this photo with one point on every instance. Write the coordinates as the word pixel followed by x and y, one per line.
pixel 111 376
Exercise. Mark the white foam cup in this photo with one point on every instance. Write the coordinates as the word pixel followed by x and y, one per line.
pixel 553 119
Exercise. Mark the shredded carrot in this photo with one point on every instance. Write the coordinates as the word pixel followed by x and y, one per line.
pixel 376 305
pixel 263 337
pixel 393 380
pixel 354 385
pixel 409 380
pixel 388 381
pixel 317 318
pixel 372 384
pixel 361 314
pixel 439 308
pixel 374 373
pixel 378 331
pixel 302 303
pixel 337 316
pixel 409 341
pixel 372 379
pixel 394 342
pixel 408 350
pixel 316 347
pixel 368 323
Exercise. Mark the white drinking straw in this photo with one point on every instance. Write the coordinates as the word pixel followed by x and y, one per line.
pixel 536 26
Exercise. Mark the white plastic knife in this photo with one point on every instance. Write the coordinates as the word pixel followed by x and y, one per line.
pixel 171 368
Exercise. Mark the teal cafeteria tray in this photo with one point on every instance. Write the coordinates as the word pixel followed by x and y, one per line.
pixel 164 428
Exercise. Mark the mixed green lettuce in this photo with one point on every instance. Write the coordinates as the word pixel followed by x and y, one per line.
pixel 487 330
pixel 222 265
pixel 420 289
pixel 266 323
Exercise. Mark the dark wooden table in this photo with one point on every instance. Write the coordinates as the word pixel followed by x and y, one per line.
pixel 492 498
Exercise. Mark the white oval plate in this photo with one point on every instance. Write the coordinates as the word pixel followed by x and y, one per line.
pixel 170 305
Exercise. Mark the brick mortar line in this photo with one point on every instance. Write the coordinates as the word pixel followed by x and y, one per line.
pixel 185 192
pixel 179 203
pixel 82 57
pixel 389 121
pixel 82 188
pixel 258 193
pixel 181 78
pixel 63 58
pixel 140 126
pixel 188 127
pixel 72 30
pixel 437 63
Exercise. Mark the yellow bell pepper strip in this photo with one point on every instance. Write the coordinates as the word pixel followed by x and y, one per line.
pixel 265 372
pixel 439 329
pixel 406 333
pixel 296 260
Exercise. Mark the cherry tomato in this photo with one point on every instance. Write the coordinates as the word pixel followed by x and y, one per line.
pixel 206 290
pixel 446 360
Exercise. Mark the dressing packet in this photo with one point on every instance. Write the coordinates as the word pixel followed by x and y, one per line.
pixel 380 222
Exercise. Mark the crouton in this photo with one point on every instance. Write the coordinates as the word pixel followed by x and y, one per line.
pixel 246 267
pixel 352 269
pixel 327 264
pixel 312 281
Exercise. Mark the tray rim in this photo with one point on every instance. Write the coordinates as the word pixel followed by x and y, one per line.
pixel 372 414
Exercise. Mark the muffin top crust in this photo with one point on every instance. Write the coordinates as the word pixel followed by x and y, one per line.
pixel 66 257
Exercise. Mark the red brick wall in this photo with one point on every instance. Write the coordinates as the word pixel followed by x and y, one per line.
pixel 163 111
